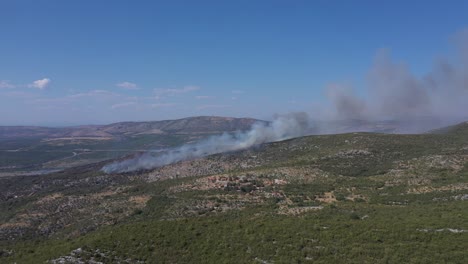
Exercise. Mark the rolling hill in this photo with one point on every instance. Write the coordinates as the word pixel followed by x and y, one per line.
pixel 190 125
pixel 354 197
pixel 29 150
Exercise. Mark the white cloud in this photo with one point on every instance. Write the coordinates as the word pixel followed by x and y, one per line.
pixel 127 85
pixel 40 84
pixel 200 97
pixel 6 85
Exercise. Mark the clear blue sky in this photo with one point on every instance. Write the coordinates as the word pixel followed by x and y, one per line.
pixel 80 62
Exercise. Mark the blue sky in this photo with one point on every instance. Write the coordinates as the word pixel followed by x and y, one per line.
pixel 95 62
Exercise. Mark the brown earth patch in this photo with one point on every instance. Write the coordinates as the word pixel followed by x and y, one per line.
pixel 140 200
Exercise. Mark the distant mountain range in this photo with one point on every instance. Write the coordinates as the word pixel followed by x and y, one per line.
pixel 186 126
pixel 212 125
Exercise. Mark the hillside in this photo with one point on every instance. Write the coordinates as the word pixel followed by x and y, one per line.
pixel 190 125
pixel 459 129
pixel 29 150
pixel 35 150
pixel 359 197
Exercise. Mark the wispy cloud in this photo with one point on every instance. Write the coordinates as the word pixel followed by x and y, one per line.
pixel 127 85
pixel 123 105
pixel 163 105
pixel 201 97
pixel 185 89
pixel 6 85
pixel 202 107
pixel 40 84
pixel 174 91
pixel 93 93
pixel 56 100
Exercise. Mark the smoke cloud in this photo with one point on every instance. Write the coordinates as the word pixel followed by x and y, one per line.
pixel 395 93
pixel 347 105
pixel 282 127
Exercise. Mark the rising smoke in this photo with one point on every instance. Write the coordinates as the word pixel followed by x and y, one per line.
pixel 395 93
pixel 283 127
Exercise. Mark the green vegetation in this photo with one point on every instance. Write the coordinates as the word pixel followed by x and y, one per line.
pixel 29 158
pixel 30 154
pixel 353 198
pixel 357 232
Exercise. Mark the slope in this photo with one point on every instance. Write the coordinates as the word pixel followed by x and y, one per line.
pixel 362 197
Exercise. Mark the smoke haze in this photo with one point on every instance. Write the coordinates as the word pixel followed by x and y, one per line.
pixel 282 127
pixel 395 93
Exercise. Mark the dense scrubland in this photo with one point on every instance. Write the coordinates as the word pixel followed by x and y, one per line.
pixel 348 198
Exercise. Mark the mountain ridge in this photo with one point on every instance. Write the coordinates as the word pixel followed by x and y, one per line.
pixel 188 125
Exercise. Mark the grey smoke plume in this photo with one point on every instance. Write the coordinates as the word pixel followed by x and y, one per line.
pixel 395 93
pixel 346 104
pixel 282 127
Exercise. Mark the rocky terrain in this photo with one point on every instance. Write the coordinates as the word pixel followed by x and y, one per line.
pixel 365 197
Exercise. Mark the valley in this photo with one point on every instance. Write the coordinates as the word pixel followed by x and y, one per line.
pixel 26 150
